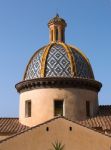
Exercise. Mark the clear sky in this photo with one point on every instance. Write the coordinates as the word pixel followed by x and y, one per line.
pixel 23 29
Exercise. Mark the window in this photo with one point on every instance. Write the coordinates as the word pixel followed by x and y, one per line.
pixel 58 108
pixel 87 108
pixel 56 34
pixel 28 108
pixel 62 35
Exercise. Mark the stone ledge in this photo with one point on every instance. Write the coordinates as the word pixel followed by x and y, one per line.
pixel 81 83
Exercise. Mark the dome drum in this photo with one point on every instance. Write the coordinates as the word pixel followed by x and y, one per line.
pixel 43 99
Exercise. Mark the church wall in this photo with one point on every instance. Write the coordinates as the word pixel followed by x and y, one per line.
pixel 79 138
pixel 3 136
pixel 42 103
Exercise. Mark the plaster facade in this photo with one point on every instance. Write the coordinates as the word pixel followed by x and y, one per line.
pixel 42 104
pixel 4 136
pixel 79 138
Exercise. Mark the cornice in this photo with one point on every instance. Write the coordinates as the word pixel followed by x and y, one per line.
pixel 81 83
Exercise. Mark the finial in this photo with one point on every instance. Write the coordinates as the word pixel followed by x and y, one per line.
pixel 57 15
pixel 57 29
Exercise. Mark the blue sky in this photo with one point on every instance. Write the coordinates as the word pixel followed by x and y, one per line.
pixel 23 29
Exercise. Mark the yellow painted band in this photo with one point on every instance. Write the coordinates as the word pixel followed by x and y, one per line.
pixel 43 60
pixel 71 58
pixel 83 55
pixel 80 52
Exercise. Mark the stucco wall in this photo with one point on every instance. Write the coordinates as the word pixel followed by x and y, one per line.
pixel 4 137
pixel 43 104
pixel 80 138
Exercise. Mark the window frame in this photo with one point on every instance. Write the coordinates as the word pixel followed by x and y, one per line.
pixel 62 100
pixel 28 108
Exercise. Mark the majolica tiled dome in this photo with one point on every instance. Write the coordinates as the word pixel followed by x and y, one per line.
pixel 58 64
pixel 58 60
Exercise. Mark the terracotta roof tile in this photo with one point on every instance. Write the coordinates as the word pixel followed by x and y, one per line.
pixel 103 122
pixel 11 125
pixel 104 110
pixel 58 117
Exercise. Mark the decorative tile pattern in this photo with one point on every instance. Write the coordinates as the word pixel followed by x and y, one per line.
pixel 34 67
pixel 82 67
pixel 57 64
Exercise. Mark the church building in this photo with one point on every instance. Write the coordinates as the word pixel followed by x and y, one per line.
pixel 59 107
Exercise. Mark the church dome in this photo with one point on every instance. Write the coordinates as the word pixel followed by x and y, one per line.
pixel 58 59
pixel 60 76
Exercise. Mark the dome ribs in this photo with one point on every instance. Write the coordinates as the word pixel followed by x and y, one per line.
pixel 43 62
pixel 58 59
pixel 71 59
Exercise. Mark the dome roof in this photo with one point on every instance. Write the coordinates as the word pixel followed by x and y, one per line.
pixel 57 20
pixel 58 60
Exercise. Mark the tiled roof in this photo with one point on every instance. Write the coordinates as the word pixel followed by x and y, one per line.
pixel 104 110
pixel 37 126
pixel 11 125
pixel 100 122
pixel 50 61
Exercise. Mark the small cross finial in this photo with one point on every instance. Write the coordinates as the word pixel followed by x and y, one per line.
pixel 57 15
